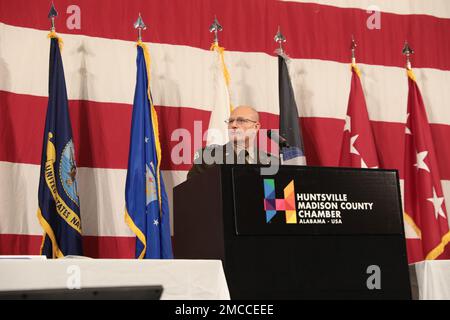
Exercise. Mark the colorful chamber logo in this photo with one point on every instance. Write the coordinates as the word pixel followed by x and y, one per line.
pixel 272 205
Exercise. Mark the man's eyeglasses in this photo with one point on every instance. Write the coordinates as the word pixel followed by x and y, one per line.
pixel 239 121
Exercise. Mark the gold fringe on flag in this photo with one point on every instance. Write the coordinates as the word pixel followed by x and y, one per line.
pixel 411 74
pixel 226 74
pixel 53 35
pixel 356 69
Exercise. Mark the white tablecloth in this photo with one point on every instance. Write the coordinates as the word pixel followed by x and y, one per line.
pixel 431 279
pixel 181 279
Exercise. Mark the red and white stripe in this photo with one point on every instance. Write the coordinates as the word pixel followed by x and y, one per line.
pixel 99 63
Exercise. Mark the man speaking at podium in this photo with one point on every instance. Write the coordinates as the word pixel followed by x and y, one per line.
pixel 243 127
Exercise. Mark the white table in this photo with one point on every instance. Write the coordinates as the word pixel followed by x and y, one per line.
pixel 181 279
pixel 431 279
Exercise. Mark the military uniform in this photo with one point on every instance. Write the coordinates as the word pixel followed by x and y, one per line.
pixel 226 154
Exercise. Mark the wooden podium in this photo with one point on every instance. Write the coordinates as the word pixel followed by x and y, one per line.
pixel 303 233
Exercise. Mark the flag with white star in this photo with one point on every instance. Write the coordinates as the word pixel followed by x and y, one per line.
pixel 425 211
pixel 358 145
pixel 147 206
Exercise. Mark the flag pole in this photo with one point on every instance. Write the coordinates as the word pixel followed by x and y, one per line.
pixel 353 48
pixel 408 51
pixel 140 25
pixel 216 28
pixel 280 39
pixel 52 15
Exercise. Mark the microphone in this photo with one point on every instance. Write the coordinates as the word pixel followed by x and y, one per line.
pixel 282 141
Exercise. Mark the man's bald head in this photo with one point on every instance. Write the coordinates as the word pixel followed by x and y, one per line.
pixel 245 112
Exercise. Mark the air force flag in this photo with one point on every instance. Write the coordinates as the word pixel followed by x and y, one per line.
pixel 147 209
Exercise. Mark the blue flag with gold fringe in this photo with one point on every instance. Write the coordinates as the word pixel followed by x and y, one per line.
pixel 59 205
pixel 147 208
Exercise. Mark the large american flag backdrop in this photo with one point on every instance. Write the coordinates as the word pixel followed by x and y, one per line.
pixel 99 56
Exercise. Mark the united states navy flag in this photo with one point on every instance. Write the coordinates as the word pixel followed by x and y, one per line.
pixel 59 205
pixel 147 208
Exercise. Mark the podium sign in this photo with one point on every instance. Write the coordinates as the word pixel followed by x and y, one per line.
pixel 322 201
